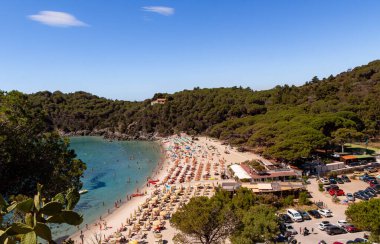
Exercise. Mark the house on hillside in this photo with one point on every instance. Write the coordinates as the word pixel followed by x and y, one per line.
pixel 158 101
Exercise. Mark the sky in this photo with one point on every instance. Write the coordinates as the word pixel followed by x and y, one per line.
pixel 131 49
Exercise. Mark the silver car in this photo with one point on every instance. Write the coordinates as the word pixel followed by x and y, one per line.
pixel 350 197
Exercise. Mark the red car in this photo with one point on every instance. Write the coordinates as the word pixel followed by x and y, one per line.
pixel 337 242
pixel 351 228
pixel 373 183
pixel 338 192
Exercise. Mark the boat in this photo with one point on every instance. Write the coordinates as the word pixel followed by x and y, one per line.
pixel 137 194
pixel 84 191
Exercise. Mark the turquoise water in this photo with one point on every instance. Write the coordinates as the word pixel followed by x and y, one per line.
pixel 114 169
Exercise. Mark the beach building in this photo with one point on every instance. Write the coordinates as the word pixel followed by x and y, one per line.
pixel 158 101
pixel 275 174
pixel 240 173
pixel 349 159
pixel 230 186
pixel 274 187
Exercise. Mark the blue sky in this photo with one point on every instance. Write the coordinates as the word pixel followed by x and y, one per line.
pixel 131 49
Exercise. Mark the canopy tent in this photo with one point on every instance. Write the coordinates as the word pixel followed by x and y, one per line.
pixel 240 172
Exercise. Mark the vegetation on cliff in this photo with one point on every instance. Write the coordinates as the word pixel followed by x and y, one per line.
pixel 286 122
pixel 32 152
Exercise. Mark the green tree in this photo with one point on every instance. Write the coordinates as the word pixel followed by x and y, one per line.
pixel 37 214
pixel 32 152
pixel 259 224
pixel 344 135
pixel 205 220
pixel 303 198
pixel 365 215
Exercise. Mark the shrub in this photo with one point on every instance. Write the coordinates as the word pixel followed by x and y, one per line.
pixel 303 198
pixel 335 199
pixel 288 201
pixel 320 187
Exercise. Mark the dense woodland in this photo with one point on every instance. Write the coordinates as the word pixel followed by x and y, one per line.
pixel 31 151
pixel 286 122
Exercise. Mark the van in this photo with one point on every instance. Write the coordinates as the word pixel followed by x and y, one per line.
pixel 294 215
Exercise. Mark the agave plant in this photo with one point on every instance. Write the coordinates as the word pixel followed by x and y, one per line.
pixel 37 215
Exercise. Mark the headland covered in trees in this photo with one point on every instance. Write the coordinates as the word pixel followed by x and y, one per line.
pixel 286 122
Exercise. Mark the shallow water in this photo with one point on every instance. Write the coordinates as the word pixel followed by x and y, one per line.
pixel 114 169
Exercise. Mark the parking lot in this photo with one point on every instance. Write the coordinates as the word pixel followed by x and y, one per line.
pixel 337 209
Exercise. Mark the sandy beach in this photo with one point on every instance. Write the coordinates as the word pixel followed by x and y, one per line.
pixel 186 165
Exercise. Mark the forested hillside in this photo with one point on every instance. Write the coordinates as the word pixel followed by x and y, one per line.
pixel 32 152
pixel 285 122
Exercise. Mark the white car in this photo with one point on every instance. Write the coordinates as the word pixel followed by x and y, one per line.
pixel 324 181
pixel 294 215
pixel 325 212
pixel 342 223
pixel 323 225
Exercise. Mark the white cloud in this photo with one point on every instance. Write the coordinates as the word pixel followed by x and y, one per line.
pixel 59 19
pixel 159 10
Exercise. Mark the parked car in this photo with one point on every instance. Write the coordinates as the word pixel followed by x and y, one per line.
pixel 362 177
pixel 365 194
pixel 332 181
pixel 334 230
pixel 285 218
pixel 345 178
pixel 351 228
pixel 325 212
pixel 339 180
pixel 370 189
pixel 342 223
pixel 370 170
pixel 354 164
pixel 314 213
pixel 334 187
pixel 360 240
pixel 338 192
pixel 289 229
pixel 361 196
pixel 376 188
pixel 294 215
pixel 350 197
pixel 369 179
pixel 323 225
pixel 373 183
pixel 304 215
pixel 357 240
pixel 324 181
pixel 370 193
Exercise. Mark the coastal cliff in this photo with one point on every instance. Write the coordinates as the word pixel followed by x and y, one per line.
pixel 111 135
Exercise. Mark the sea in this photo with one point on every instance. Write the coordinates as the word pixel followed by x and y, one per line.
pixel 114 169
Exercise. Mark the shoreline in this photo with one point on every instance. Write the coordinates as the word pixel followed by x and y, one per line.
pixel 207 150
pixel 125 208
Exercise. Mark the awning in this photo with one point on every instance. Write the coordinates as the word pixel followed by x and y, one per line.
pixel 240 172
pixel 349 157
pixel 364 156
pixel 264 186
